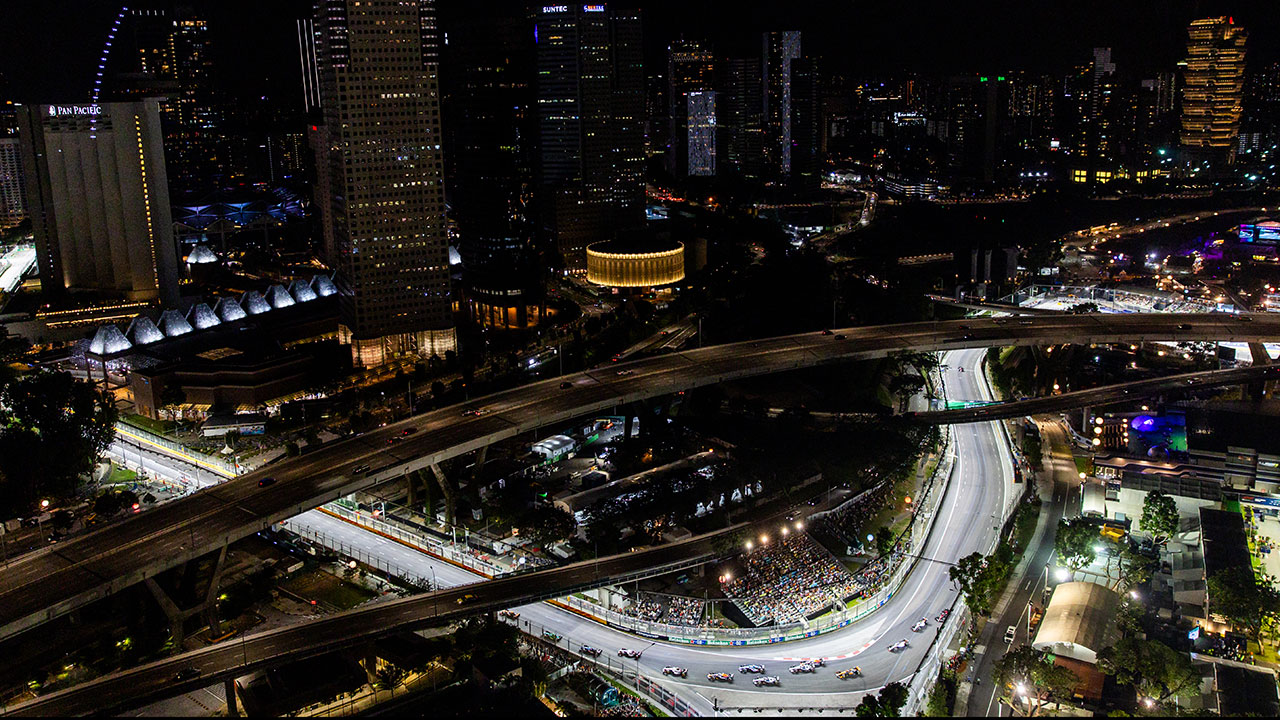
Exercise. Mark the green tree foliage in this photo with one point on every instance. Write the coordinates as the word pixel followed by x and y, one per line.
pixel 1154 669
pixel 1083 308
pixel 548 524
pixel 1075 543
pixel 1251 604
pixel 887 704
pixel 884 540
pixel 1034 678
pixel 53 428
pixel 977 577
pixel 1159 517
pixel 1128 568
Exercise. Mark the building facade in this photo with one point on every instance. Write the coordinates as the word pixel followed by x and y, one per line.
pixel 691 109
pixel 382 166
pixel 780 48
pixel 99 200
pixel 590 105
pixel 13 188
pixel 1212 96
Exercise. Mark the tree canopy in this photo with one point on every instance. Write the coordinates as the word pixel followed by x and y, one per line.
pixel 1034 678
pixel 1075 543
pixel 1159 517
pixel 53 428
pixel 1154 669
pixel 1249 603
pixel 887 704
pixel 977 577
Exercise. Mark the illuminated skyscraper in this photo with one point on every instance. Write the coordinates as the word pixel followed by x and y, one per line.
pixel 99 199
pixel 780 48
pixel 740 120
pixel 691 104
pixel 382 167
pixel 1213 79
pixel 13 191
pixel 590 112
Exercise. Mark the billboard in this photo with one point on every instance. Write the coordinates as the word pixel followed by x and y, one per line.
pixel 1263 233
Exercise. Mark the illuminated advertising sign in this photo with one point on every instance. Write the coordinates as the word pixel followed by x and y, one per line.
pixel 555 8
pixel 592 8
pixel 79 110
pixel 1267 233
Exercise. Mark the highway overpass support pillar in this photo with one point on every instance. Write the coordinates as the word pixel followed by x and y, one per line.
pixel 178 617
pixel 478 469
pixel 450 497
pixel 229 689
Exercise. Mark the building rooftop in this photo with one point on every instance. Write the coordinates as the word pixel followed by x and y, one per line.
pixel 1223 540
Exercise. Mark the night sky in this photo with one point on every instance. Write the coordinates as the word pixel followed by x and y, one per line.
pixel 49 48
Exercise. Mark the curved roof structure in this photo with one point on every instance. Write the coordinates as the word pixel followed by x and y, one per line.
pixel 1077 620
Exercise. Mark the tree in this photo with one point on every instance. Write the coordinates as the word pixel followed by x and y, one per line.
pixel 171 396
pixel 1132 568
pixel 1249 603
pixel 549 524
pixel 1154 669
pixel 53 428
pixel 904 386
pixel 888 704
pixel 977 577
pixel 1159 517
pixel 1083 308
pixel 884 540
pixel 1075 543
pixel 1034 678
pixel 291 449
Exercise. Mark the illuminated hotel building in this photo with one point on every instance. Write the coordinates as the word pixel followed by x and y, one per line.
pixel 381 149
pixel 13 189
pixel 99 199
pixel 1213 78
pixel 635 263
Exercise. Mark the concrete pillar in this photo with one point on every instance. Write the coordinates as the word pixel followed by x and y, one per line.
pixel 178 617
pixel 412 483
pixel 370 663
pixel 177 620
pixel 481 455
pixel 628 412
pixel 450 500
pixel 229 689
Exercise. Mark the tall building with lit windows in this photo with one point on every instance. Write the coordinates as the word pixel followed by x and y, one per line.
pixel 590 104
pixel 99 200
pixel 780 48
pixel 691 107
pixel 381 148
pixel 1212 95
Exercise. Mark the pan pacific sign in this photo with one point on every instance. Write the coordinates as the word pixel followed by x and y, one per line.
pixel 74 110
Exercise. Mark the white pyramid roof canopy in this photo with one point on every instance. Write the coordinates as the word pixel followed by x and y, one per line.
pixel 143 331
pixel 279 297
pixel 253 303
pixel 201 317
pixel 324 287
pixel 108 340
pixel 301 291
pixel 229 310
pixel 173 324
pixel 201 255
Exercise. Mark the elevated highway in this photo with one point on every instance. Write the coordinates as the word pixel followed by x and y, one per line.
pixel 1098 397
pixel 41 586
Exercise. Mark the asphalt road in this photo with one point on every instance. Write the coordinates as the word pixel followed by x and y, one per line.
pixel 981 484
pixel 1107 395
pixel 36 588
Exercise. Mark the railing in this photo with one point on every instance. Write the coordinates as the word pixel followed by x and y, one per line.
pixel 132 433
pixel 486 565
pixel 361 555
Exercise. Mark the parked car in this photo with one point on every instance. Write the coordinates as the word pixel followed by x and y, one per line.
pixel 1009 633
pixel 676 671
